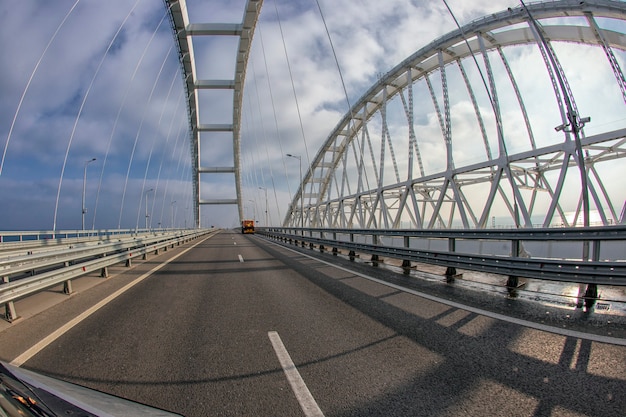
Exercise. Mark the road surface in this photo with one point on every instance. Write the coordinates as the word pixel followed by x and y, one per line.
pixel 238 326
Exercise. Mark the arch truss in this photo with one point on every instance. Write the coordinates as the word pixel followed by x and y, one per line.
pixel 185 33
pixel 456 136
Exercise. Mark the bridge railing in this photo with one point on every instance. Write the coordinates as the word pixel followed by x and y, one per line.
pixel 594 256
pixel 35 238
pixel 19 243
pixel 25 274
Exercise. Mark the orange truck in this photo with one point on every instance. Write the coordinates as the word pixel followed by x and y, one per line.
pixel 247 226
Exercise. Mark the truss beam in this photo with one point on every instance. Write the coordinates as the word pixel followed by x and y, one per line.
pixel 184 33
pixel 347 186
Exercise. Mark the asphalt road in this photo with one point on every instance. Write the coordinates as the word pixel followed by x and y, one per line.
pixel 195 338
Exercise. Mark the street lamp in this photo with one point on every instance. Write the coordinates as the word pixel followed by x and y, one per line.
pixel 172 224
pixel 267 223
pixel 147 215
pixel 253 210
pixel 299 158
pixel 84 210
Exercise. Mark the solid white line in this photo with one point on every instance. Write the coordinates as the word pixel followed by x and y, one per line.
pixel 240 258
pixel 307 402
pixel 36 348
pixel 497 316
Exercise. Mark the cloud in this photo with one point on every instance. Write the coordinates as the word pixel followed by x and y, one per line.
pixel 135 105
pixel 120 97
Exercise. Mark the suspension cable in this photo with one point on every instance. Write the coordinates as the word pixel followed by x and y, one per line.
pixel 293 86
pixel 182 129
pixel 132 153
pixel 145 175
pixel 69 145
pixel 30 79
pixel 269 84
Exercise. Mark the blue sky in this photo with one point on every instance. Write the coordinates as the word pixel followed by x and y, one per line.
pixel 128 94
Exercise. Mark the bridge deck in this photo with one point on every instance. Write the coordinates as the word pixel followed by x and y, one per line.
pixel 193 337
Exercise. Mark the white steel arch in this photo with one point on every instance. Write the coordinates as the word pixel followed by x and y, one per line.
pixel 347 185
pixel 184 33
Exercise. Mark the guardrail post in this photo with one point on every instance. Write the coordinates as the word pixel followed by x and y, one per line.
pixel 10 314
pixel 335 250
pixel 451 270
pixel 67 285
pixel 591 295
pixel 129 261
pixel 321 245
pixel 591 292
pixel 512 281
pixel 375 259
pixel 104 271
pixel 406 264
pixel 351 254
pixel 145 253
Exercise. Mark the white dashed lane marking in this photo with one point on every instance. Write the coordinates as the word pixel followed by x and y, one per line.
pixel 306 400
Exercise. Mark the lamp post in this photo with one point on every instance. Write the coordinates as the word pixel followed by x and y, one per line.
pixel 253 210
pixel 172 224
pixel 299 158
pixel 147 215
pixel 84 210
pixel 267 223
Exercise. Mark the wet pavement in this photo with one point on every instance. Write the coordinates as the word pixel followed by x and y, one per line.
pixel 550 303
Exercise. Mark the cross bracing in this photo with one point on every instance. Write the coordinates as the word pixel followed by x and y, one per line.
pixel 185 32
pixel 397 159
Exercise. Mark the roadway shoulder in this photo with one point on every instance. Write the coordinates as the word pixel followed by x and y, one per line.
pixel 44 312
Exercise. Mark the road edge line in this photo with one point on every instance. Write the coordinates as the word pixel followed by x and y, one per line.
pixel 39 346
pixel 497 316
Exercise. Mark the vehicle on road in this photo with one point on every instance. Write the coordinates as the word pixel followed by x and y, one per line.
pixel 247 226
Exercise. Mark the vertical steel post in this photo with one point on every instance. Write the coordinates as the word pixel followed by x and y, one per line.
pixel 406 264
pixel 450 270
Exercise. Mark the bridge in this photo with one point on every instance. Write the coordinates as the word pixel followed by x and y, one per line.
pixel 461 193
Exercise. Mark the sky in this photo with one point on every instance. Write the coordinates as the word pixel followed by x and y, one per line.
pixel 91 79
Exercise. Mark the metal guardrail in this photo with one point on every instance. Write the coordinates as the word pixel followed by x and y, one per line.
pixel 14 263
pixel 14 241
pixel 51 235
pixel 593 266
pixel 49 269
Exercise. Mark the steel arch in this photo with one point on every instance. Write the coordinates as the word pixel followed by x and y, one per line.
pixel 346 185
pixel 184 32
